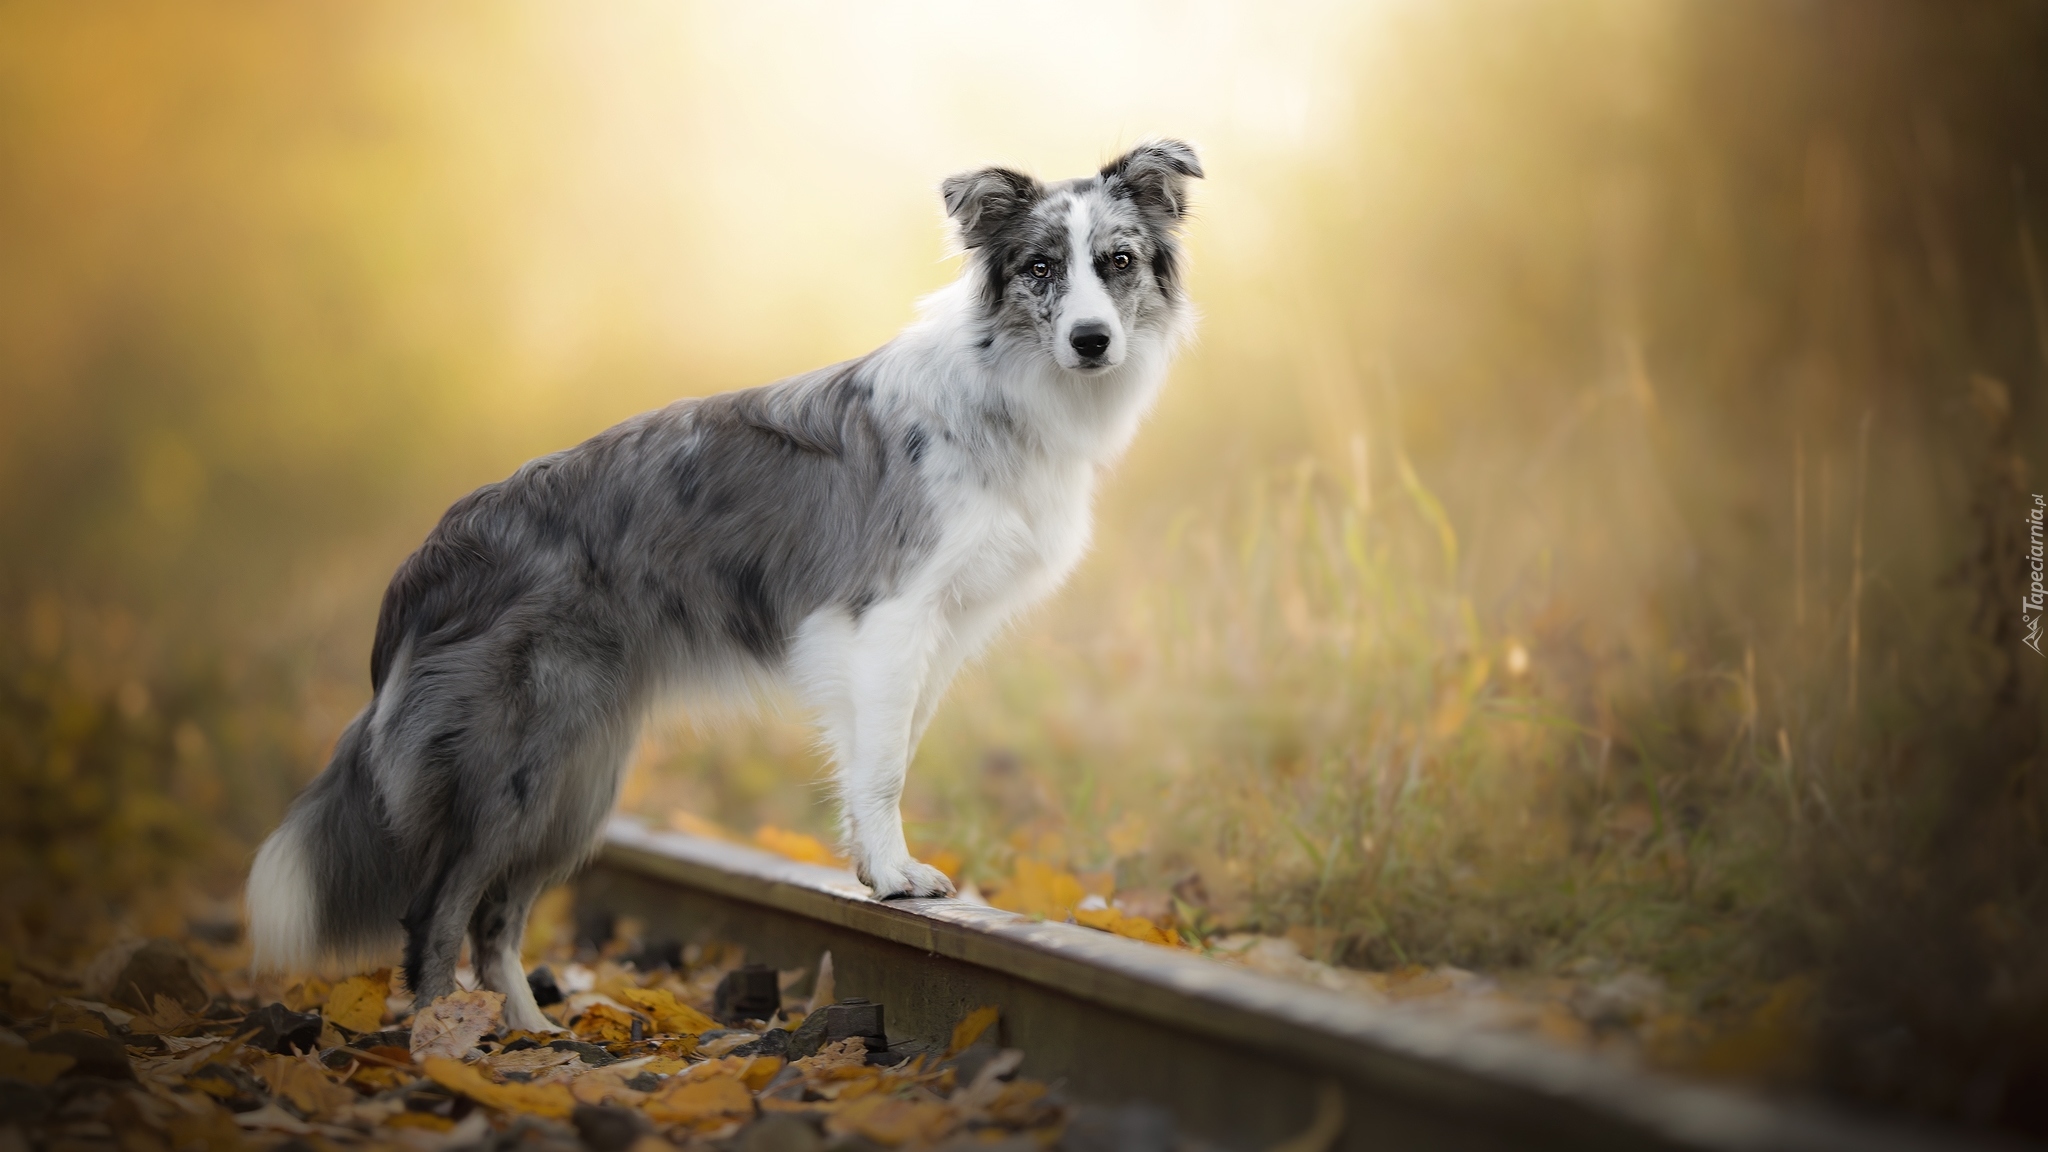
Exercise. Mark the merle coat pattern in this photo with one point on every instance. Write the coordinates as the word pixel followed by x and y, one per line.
pixel 851 536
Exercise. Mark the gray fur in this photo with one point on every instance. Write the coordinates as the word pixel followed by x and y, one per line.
pixel 519 648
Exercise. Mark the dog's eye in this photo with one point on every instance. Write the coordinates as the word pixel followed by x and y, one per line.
pixel 1041 269
pixel 1122 260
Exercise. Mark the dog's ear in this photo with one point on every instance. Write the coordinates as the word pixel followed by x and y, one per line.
pixel 1154 175
pixel 983 203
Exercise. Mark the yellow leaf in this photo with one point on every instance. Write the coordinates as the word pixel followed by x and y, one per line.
pixel 552 1100
pixel 669 1014
pixel 944 859
pixel 970 1028
pixel 1039 890
pixel 308 993
pixel 691 824
pixel 1123 924
pixel 603 1024
pixel 696 1101
pixel 893 1121
pixel 796 846
pixel 357 1003
pixel 39 1068
pixel 303 1084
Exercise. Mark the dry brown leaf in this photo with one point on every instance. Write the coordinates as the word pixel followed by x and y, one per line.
pixel 357 1003
pixel 970 1028
pixel 603 1024
pixel 851 1052
pixel 307 994
pixel 893 1120
pixel 796 846
pixel 687 1101
pixel 168 1019
pixel 669 1014
pixel 605 1087
pixel 303 1084
pixel 552 1100
pixel 452 1025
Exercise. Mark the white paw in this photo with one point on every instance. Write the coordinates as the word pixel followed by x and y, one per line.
pixel 530 1020
pixel 904 879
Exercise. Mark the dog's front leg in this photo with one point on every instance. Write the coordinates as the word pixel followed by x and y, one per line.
pixel 865 679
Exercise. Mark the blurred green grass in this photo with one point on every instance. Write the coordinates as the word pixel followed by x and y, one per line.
pixel 1588 527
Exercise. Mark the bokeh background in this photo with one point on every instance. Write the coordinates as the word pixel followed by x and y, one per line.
pixel 1590 529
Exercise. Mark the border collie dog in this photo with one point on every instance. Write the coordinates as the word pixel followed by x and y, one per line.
pixel 850 536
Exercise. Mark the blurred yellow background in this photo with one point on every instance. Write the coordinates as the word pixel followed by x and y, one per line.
pixel 1588 523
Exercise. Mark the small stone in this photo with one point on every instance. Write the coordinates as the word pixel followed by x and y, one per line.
pixel 749 993
pixel 774 1042
pixel 233 1085
pixel 592 1054
pixel 541 981
pixel 92 1055
pixel 835 1022
pixel 779 1133
pixel 896 1054
pixel 608 1128
pixel 281 1030
pixel 644 1082
pixel 160 968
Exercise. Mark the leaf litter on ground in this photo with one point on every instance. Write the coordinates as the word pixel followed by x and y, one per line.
pixel 640 1064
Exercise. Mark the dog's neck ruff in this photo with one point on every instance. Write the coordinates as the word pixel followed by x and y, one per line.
pixel 953 367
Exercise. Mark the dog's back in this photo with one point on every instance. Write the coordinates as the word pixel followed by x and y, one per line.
pixel 854 533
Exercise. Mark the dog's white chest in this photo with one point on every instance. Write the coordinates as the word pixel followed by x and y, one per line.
pixel 1004 548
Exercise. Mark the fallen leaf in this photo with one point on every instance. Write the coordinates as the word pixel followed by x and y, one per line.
pixel 605 1086
pixel 848 1053
pixel 452 1025
pixel 796 846
pixel 357 1003
pixel 604 1024
pixel 302 1083
pixel 168 1018
pixel 668 1013
pixel 1036 889
pixel 307 994
pixel 970 1028
pixel 1123 924
pixel 696 1101
pixel 552 1100
pixel 893 1121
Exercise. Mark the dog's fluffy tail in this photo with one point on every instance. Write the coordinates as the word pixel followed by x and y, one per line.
pixel 328 885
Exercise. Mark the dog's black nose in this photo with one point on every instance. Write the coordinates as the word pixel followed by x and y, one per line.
pixel 1090 339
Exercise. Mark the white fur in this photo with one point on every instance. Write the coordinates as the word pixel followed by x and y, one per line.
pixel 1014 521
pixel 284 926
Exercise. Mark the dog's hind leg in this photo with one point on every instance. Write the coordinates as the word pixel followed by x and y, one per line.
pixel 495 934
pixel 434 925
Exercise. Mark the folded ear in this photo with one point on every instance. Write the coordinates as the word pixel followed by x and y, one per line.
pixel 983 203
pixel 1154 175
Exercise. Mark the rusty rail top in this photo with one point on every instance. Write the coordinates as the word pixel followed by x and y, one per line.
pixel 1408 1078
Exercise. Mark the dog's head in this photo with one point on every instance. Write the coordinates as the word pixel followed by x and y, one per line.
pixel 1082 268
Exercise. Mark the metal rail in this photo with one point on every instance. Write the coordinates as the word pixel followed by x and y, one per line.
pixel 1240 1059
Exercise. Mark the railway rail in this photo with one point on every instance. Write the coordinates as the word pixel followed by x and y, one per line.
pixel 1241 1060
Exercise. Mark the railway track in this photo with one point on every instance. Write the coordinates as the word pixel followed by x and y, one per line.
pixel 1241 1060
